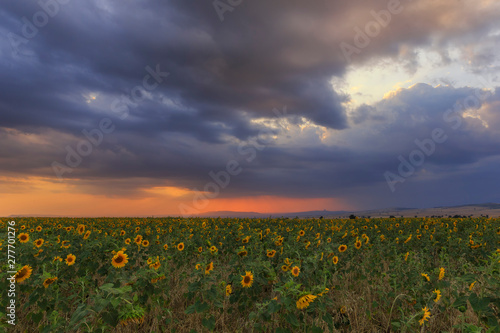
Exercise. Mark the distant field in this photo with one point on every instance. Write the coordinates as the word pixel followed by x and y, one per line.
pixel 252 275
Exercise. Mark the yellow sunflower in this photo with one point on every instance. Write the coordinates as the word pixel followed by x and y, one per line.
pixel 145 243
pixel 180 246
pixel 295 271
pixel 304 301
pixel 23 274
pixel 426 316
pixel 38 242
pixel 335 260
pixel 342 248
pixel 285 268
pixel 49 281
pixel 210 267
pixel 138 239
pixel 87 234
pixel 247 280
pixel 39 228
pixel 70 259
pixel 271 253
pixel 357 244
pixel 23 238
pixel 65 244
pixel 229 290
pixel 119 260
pixel 165 246
pixel 127 241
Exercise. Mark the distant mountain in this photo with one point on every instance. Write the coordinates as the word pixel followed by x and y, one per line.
pixel 490 209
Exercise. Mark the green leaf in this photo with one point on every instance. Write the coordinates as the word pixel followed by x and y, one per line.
pixel 292 320
pixel 274 306
pixel 209 323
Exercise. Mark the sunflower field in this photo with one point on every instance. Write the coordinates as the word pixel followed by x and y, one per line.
pixel 253 275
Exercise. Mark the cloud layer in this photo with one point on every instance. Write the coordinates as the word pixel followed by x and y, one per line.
pixel 226 78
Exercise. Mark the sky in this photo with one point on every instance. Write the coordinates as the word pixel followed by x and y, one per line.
pixel 126 108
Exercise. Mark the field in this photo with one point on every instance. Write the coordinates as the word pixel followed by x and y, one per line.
pixel 252 275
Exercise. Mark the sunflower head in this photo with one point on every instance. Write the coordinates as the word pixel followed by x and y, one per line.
pixel 342 248
pixel 39 242
pixel 138 239
pixel 209 267
pixel 229 290
pixel 180 246
pixel 70 259
pixel 357 244
pixel 295 271
pixel 335 260
pixel 23 274
pixel 119 260
pixel 49 281
pixel 24 238
pixel 247 280
pixel 39 228
pixel 145 243
pixel 165 246
pixel 271 253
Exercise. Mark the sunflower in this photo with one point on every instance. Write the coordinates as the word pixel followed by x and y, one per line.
pixel 271 253
pixel 304 301
pixel 438 295
pixel 149 261
pixel 245 240
pixel 441 273
pixel 180 246
pixel 24 227
pixel 65 244
pixel 156 265
pixel 472 285
pixel 302 233
pixel 23 274
pixel 23 238
pixel 80 229
pixel 406 255
pixel 119 260
pixel 426 316
pixel 247 280
pixel 138 239
pixel 295 271
pixel 198 266
pixel 342 248
pixel 426 276
pixel 285 268
pixel 87 234
pixel 328 240
pixel 127 241
pixel 145 243
pixel 39 228
pixel 229 290
pixel 242 253
pixel 122 233
pixel 49 281
pixel 38 242
pixel 335 260
pixel 357 244
pixel 200 249
pixel 57 258
pixel 213 249
pixel 165 247
pixel 210 267
pixel 70 259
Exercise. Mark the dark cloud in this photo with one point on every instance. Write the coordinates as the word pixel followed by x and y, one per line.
pixel 225 78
